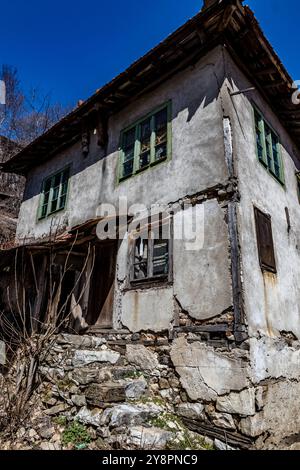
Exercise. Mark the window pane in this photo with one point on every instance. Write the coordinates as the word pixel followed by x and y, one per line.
pixel 55 193
pixel 128 168
pixel 64 188
pixel 57 179
pixel 129 139
pixel 161 151
pixel 141 259
pixel 47 185
pixel 161 121
pixel 46 198
pixel 160 257
pixel 45 201
pixel 161 134
pixel 269 147
pixel 44 210
pixel 128 149
pixel 128 155
pixel 54 205
pixel 145 130
pixel 275 156
pixel 62 202
pixel 65 176
pixel 259 137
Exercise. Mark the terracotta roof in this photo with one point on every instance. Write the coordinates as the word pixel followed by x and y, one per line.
pixel 228 23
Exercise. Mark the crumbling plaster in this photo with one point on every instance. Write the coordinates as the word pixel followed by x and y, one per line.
pixel 271 301
pixel 206 373
pixel 201 272
pixel 202 278
pixel 150 309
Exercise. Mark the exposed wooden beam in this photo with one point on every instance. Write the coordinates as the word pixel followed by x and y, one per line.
pixel 266 71
pixel 274 84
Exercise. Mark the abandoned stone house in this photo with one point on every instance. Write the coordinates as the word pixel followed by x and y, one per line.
pixel 203 124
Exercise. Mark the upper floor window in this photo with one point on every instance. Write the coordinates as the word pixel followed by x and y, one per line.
pixel 146 143
pixel 54 193
pixel 268 147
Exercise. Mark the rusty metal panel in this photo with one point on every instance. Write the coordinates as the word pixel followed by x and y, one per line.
pixel 265 241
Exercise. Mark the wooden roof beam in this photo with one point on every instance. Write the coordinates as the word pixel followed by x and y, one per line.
pixel 266 71
pixel 274 84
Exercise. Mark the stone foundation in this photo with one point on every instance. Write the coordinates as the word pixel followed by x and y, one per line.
pixel 149 391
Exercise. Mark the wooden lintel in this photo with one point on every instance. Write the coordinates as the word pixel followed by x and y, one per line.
pixel 217 328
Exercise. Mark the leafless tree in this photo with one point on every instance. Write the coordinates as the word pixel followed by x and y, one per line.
pixel 29 340
pixel 26 116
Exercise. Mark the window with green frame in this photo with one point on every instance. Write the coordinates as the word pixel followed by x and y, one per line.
pixel 54 193
pixel 268 147
pixel 146 143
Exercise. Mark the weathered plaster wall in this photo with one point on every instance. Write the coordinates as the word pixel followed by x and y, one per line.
pixel 206 373
pixel 202 280
pixel 197 153
pixel 272 301
pixel 148 310
pixel 201 274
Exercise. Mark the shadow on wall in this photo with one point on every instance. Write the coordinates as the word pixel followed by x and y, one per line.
pixel 74 157
pixel 239 82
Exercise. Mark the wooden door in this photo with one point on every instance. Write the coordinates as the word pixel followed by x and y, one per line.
pixel 101 297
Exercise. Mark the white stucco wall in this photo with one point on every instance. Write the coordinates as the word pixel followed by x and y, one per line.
pixel 272 303
pixel 202 282
pixel 197 154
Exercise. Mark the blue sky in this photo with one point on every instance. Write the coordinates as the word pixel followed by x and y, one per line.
pixel 71 48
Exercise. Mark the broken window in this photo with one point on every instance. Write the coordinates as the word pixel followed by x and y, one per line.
pixel 152 254
pixel 141 259
pixel 146 143
pixel 265 241
pixel 54 193
pixel 268 147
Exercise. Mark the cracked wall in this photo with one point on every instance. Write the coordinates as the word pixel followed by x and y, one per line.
pixel 201 286
pixel 271 302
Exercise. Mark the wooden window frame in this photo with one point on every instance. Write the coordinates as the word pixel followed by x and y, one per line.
pixel 264 266
pixel 162 279
pixel 267 140
pixel 137 127
pixel 51 178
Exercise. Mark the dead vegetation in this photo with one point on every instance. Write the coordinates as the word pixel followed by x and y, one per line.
pixel 29 339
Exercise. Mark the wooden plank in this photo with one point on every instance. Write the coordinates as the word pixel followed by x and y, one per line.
pixel 218 328
pixel 233 439
pixel 239 315
pixel 41 289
